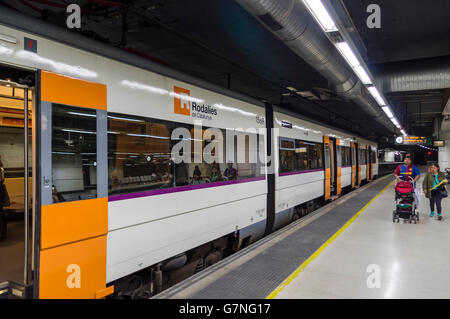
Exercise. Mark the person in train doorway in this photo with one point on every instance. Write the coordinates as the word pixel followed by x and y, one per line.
pixel 408 173
pixel 230 172
pixel 434 189
pixel 4 201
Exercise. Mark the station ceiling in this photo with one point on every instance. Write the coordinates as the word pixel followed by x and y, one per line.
pixel 218 41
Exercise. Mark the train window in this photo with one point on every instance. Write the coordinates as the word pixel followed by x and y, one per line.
pixel 140 155
pixel 346 156
pixel 287 155
pixel 315 155
pixel 304 156
pixel 362 157
pixel 373 155
pixel 74 153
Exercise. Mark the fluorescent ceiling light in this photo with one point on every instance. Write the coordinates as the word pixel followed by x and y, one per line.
pixel 363 76
pixel 376 95
pixel 403 132
pixel 321 14
pixel 78 131
pixel 125 119
pixel 388 112
pixel 348 54
pixel 393 120
pixel 290 88
pixel 82 114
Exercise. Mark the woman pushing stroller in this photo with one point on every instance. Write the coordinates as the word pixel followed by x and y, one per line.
pixel 408 173
pixel 434 189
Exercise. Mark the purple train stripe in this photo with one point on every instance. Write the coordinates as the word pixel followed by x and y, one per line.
pixel 162 191
pixel 301 172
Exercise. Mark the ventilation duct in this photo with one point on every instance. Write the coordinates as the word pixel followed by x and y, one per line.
pixel 291 22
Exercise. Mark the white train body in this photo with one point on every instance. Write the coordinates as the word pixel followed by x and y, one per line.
pixel 147 230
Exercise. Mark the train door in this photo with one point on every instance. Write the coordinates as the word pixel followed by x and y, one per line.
pixel 16 196
pixel 369 162
pixel 73 188
pixel 354 164
pixel 358 164
pixel 338 159
pixel 330 167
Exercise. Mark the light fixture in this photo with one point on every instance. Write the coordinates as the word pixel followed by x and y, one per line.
pixel 321 15
pixel 78 131
pixel 403 132
pixel 393 120
pixel 125 119
pixel 348 54
pixel 290 88
pixel 353 61
pixel 388 112
pixel 82 114
pixel 363 76
pixel 376 95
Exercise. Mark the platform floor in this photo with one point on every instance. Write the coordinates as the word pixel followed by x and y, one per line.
pixel 258 270
pixel 414 260
pixel 327 255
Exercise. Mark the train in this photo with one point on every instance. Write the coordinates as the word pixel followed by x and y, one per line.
pixel 110 213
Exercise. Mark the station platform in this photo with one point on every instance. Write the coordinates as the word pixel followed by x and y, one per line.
pixel 331 254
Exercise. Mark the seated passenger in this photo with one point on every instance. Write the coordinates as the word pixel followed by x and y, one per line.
pixel 230 172
pixel 215 175
pixel 197 177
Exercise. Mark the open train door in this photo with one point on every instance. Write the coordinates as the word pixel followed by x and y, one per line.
pixel 332 178
pixel 73 177
pixel 369 163
pixel 17 111
pixel 338 168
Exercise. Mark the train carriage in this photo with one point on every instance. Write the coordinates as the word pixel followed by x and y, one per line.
pixel 105 200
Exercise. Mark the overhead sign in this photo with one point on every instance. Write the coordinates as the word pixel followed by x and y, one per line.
pixel 411 140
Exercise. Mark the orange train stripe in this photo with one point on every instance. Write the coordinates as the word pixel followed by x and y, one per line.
pixel 68 222
pixel 104 292
pixel 70 91
pixel 76 270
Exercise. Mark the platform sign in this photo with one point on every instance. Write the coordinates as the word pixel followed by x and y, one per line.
pixel 412 140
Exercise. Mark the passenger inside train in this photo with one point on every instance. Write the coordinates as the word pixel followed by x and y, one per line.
pixel 230 172
pixel 215 176
pixel 197 178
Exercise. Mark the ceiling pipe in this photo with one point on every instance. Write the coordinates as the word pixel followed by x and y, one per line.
pixel 291 23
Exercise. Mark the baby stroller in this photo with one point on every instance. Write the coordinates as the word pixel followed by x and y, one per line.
pixel 405 204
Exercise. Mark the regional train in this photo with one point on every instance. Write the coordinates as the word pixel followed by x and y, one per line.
pixel 106 211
